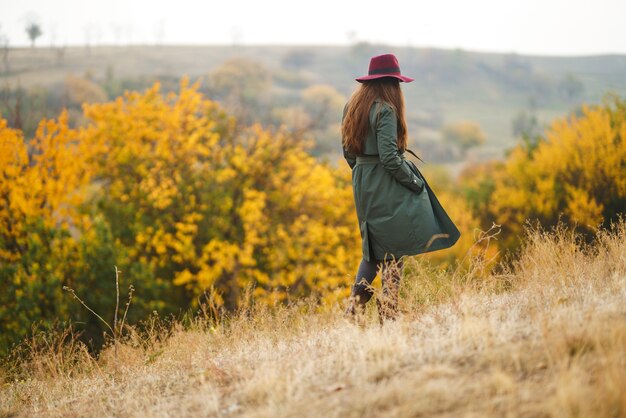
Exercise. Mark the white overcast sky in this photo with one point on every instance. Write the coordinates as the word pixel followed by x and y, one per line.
pixel 544 27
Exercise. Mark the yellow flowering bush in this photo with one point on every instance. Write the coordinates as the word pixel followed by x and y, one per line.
pixel 183 200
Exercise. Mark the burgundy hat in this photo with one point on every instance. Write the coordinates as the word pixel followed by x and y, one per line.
pixel 385 65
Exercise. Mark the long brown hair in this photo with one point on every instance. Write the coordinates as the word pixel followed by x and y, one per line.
pixel 356 120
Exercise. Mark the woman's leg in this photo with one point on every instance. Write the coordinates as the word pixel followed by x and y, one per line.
pixel 361 290
pixel 388 303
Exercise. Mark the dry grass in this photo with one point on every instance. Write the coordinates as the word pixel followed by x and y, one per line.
pixel 546 338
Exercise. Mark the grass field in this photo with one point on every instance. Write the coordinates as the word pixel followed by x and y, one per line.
pixel 543 338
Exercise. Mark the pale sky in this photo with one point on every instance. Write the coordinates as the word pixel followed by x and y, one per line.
pixel 542 27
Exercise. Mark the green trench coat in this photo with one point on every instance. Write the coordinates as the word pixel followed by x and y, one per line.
pixel 398 212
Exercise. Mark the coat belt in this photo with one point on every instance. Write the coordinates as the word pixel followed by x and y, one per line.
pixel 371 159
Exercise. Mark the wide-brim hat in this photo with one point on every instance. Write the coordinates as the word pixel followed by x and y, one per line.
pixel 385 65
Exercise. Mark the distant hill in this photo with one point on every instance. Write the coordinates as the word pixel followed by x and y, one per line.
pixel 451 85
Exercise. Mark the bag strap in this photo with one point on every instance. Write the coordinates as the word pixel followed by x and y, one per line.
pixel 415 155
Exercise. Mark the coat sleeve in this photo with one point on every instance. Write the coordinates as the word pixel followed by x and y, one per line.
pixel 387 141
pixel 350 158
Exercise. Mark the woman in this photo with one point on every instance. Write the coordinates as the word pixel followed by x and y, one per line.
pixel 398 213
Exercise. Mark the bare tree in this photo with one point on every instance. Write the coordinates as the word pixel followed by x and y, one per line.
pixel 12 105
pixel 4 47
pixel 34 31
pixel 4 44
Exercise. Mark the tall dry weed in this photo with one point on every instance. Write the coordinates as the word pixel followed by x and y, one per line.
pixel 542 335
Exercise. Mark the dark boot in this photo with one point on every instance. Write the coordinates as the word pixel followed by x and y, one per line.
pixel 359 296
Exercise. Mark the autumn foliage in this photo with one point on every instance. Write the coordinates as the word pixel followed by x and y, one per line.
pixel 574 173
pixel 190 204
pixel 186 202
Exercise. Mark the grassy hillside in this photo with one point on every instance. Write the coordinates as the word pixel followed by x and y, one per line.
pixel 450 86
pixel 544 338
